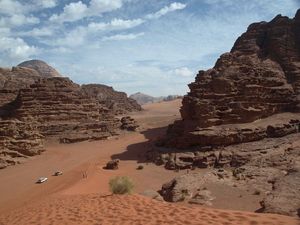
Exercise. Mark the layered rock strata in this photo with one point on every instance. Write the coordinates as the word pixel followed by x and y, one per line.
pixel 18 140
pixel 260 77
pixel 59 109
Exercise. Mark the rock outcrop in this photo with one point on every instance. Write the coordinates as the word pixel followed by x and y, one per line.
pixel 12 80
pixel 42 68
pixel 18 141
pixel 244 114
pixel 260 77
pixel 60 109
pixel 112 165
pixel 116 101
pixel 129 124
pixel 22 76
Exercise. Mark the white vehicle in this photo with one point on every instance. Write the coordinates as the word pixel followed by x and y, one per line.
pixel 42 180
pixel 58 173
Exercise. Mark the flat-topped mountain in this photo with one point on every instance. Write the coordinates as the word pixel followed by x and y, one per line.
pixel 43 69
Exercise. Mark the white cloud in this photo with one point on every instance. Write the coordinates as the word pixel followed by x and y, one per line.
pixel 18 20
pixel 38 32
pixel 78 10
pixel 72 12
pixel 9 7
pixel 16 48
pixel 102 6
pixel 183 71
pixel 45 4
pixel 172 7
pixel 120 37
pixel 115 24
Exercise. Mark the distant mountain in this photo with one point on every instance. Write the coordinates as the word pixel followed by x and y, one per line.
pixel 144 99
pixel 41 67
pixel 116 101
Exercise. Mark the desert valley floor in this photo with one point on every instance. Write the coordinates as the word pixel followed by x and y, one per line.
pixel 74 199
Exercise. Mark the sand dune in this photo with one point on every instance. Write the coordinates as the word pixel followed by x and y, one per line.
pixel 112 209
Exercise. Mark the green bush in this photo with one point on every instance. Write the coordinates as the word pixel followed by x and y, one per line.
pixel 121 185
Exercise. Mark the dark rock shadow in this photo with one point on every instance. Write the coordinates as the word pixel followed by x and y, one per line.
pixel 137 152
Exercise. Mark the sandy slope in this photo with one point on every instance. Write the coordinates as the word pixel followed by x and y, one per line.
pixel 96 209
pixel 73 199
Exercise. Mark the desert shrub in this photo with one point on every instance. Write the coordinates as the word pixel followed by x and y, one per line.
pixel 140 167
pixel 121 185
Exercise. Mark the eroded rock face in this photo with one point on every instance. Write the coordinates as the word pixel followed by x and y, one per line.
pixel 60 109
pixel 18 141
pixel 116 101
pixel 12 80
pixel 260 77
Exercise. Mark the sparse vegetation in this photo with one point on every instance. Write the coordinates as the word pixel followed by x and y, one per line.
pixel 121 185
pixel 140 167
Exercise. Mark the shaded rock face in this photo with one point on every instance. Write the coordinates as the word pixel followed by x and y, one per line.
pixel 12 80
pixel 18 141
pixel 116 101
pixel 42 68
pixel 258 78
pixel 129 124
pixel 59 109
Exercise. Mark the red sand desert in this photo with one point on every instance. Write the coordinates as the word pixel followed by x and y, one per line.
pixel 73 199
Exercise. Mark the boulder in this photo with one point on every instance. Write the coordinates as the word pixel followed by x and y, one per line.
pixel 128 123
pixel 112 165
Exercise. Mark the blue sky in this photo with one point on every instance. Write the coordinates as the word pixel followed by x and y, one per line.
pixel 152 46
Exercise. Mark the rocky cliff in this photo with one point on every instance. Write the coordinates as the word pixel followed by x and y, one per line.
pixel 243 114
pixel 116 101
pixel 60 109
pixel 260 77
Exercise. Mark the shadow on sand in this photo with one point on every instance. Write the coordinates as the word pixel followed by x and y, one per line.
pixel 136 152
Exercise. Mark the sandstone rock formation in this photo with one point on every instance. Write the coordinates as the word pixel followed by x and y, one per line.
pixel 116 101
pixel 60 109
pixel 243 114
pixel 260 77
pixel 42 68
pixel 21 76
pixel 18 141
pixel 12 80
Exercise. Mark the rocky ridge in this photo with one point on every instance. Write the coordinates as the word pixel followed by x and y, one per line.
pixel 243 114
